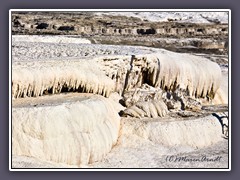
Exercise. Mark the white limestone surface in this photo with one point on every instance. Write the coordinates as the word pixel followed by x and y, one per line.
pixel 74 131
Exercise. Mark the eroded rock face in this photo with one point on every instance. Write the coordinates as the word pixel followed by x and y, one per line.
pixel 89 23
pixel 106 29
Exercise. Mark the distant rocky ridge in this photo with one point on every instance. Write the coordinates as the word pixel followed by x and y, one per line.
pixel 110 29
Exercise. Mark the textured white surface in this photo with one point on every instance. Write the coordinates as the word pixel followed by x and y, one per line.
pixel 24 50
pixel 80 132
pixel 167 70
pixel 147 143
pixel 195 132
pixel 149 109
pixel 199 76
pixel 32 78
pixel 50 39
pixel 192 17
pixel 221 96
pixel 137 152
pixel 31 162
pixel 73 133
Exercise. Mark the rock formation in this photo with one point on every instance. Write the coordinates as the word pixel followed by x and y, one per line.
pixel 70 132
pixel 108 29
pixel 68 95
pixel 34 79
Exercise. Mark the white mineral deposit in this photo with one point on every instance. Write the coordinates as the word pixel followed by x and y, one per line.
pixel 78 104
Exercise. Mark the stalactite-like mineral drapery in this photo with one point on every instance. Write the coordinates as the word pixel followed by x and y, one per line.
pixel 33 79
pixel 169 71
pixel 118 89
pixel 85 131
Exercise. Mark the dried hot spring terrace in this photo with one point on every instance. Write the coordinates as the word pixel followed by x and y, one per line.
pixel 96 96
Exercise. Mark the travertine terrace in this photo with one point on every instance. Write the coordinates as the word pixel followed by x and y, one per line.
pixel 80 97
